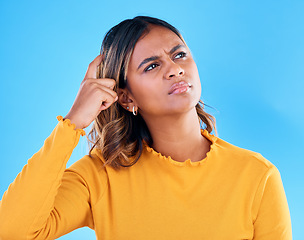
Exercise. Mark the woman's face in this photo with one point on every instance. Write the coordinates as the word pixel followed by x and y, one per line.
pixel 162 76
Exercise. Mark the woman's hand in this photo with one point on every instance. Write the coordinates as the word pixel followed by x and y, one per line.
pixel 93 96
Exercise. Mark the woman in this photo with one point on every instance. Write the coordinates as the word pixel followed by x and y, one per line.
pixel 152 172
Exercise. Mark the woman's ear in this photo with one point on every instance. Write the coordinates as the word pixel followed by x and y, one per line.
pixel 125 99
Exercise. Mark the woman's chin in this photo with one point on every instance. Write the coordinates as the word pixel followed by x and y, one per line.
pixel 181 107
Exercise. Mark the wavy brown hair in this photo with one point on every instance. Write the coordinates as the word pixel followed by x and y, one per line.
pixel 117 132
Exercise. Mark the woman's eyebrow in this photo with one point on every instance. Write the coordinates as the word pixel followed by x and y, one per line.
pixel 149 59
pixel 176 47
pixel 153 58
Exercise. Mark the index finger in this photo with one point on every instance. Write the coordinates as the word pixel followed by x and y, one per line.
pixel 91 72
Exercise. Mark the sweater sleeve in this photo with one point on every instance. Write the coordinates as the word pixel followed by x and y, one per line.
pixel 44 201
pixel 272 218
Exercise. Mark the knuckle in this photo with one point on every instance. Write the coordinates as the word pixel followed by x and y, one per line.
pixel 114 82
pixel 84 83
pixel 95 91
pixel 91 82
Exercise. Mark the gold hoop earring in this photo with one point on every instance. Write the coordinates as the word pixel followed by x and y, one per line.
pixel 134 112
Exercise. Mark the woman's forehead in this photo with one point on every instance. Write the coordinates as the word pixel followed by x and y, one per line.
pixel 157 37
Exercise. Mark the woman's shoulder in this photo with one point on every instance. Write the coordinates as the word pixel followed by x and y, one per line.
pixel 92 172
pixel 92 162
pixel 234 155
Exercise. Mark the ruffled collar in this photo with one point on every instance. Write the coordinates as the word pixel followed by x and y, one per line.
pixel 187 162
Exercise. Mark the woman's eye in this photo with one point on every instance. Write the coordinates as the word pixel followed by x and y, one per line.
pixel 150 67
pixel 180 55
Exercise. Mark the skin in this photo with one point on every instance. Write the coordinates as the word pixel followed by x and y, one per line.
pixel 94 96
pixel 159 61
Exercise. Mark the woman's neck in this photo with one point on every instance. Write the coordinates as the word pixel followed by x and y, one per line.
pixel 179 137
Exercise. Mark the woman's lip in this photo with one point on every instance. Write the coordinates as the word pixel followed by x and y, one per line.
pixel 179 87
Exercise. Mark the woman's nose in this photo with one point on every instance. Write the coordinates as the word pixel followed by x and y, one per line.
pixel 174 70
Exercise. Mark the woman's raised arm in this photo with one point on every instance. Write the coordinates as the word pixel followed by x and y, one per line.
pixel 44 201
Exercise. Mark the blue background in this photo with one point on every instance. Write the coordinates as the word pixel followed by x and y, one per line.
pixel 250 56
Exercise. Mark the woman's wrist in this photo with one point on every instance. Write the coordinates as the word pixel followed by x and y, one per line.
pixel 74 121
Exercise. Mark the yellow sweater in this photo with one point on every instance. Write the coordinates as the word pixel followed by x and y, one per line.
pixel 231 194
